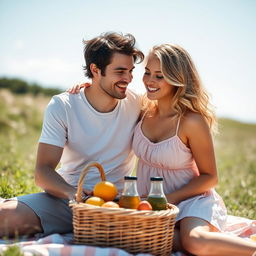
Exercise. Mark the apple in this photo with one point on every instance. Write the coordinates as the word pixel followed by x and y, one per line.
pixel 144 206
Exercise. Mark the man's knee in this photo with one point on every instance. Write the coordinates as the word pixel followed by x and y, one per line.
pixel 7 209
pixel 18 219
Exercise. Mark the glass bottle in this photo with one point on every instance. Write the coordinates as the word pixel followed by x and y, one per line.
pixel 156 196
pixel 130 198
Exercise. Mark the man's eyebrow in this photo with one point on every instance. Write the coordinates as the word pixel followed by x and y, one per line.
pixel 122 68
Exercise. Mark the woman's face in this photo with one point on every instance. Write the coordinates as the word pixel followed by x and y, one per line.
pixel 157 87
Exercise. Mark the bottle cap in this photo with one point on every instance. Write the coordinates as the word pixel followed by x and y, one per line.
pixel 156 178
pixel 130 177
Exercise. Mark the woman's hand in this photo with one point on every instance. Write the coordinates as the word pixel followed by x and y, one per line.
pixel 76 88
pixel 171 198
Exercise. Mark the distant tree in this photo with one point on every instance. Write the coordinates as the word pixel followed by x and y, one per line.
pixel 50 91
pixel 35 89
pixel 4 83
pixel 19 86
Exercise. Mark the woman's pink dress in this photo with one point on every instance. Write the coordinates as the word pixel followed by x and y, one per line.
pixel 173 160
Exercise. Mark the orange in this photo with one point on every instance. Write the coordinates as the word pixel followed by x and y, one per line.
pixel 94 200
pixel 110 204
pixel 105 190
pixel 253 237
pixel 144 205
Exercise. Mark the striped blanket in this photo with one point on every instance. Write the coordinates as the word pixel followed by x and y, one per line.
pixel 61 245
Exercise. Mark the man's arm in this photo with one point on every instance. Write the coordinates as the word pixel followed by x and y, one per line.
pixel 48 157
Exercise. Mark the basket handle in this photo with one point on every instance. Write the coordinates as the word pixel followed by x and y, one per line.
pixel 82 175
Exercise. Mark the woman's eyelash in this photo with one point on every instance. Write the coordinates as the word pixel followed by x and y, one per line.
pixel 157 76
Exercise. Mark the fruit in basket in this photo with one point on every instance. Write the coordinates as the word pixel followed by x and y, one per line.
pixel 105 190
pixel 144 205
pixel 110 204
pixel 95 200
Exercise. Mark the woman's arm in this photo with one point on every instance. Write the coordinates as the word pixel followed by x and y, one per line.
pixel 195 132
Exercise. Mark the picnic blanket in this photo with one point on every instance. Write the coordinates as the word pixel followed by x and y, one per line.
pixel 61 245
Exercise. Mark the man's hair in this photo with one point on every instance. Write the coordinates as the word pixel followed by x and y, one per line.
pixel 100 50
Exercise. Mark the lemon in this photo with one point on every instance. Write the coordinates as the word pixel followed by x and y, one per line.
pixel 95 200
pixel 253 237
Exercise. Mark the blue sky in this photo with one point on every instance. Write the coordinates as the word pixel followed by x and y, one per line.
pixel 41 41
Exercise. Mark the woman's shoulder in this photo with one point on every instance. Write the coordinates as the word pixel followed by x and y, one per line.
pixel 193 117
pixel 193 123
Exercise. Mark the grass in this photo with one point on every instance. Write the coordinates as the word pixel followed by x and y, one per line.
pixel 20 126
pixel 12 251
pixel 236 160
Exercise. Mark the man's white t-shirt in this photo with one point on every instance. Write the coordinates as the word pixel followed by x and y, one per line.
pixel 87 135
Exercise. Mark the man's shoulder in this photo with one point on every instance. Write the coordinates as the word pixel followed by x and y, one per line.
pixel 64 98
pixel 132 103
pixel 132 95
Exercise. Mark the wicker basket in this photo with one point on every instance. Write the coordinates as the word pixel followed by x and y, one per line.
pixel 134 231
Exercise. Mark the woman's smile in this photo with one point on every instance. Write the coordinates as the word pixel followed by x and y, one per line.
pixel 152 89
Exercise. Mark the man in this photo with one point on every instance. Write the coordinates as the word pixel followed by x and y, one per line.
pixel 94 125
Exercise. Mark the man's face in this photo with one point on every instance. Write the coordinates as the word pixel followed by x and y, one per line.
pixel 118 75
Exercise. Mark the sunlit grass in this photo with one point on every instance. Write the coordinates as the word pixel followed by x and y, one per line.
pixel 236 159
pixel 20 124
pixel 12 251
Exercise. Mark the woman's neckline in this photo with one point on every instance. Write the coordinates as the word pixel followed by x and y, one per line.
pixel 162 141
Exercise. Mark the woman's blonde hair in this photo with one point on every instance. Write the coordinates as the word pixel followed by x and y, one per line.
pixel 179 70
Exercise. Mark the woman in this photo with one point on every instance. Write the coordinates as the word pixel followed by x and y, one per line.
pixel 173 140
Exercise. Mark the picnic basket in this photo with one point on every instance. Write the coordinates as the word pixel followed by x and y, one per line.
pixel 132 230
